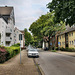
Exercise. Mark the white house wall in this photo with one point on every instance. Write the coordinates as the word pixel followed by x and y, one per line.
pixel 17 32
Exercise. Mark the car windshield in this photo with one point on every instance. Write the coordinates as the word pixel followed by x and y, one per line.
pixel 33 50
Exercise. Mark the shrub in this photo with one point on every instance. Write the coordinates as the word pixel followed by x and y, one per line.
pixel 67 49
pixel 16 45
pixel 71 49
pixel 62 49
pixel 8 52
pixel 3 55
pixel 12 51
pixel 53 50
pixel 56 48
pixel 39 46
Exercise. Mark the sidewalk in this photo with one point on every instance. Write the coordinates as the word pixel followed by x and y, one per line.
pixel 13 66
pixel 67 53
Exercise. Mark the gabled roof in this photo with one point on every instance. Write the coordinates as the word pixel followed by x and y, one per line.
pixel 70 29
pixel 5 10
pixel 22 31
pixel 19 30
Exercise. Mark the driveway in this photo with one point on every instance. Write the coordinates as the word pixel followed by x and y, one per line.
pixel 13 66
pixel 56 64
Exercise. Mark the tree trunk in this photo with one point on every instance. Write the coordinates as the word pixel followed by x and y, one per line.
pixel 49 42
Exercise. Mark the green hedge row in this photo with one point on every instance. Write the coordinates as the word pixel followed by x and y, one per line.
pixel 8 52
pixel 66 49
pixel 12 51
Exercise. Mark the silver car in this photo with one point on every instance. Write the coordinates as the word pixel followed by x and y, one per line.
pixel 33 52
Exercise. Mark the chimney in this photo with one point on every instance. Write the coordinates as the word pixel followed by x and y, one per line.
pixel 6 6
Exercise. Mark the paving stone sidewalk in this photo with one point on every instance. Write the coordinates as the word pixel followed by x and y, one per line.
pixel 67 53
pixel 13 66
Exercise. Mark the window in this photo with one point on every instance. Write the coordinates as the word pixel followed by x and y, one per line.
pixel 72 42
pixel 69 34
pixel 60 43
pixel 63 43
pixel 60 37
pixel 11 38
pixel 20 36
pixel 72 33
pixel 63 36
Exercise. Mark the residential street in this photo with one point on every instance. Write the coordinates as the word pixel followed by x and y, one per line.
pixel 56 64
pixel 13 66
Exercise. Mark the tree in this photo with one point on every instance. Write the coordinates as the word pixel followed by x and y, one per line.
pixel 51 28
pixel 64 10
pixel 28 37
pixel 45 26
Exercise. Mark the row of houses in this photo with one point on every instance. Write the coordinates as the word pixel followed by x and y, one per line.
pixel 9 35
pixel 67 38
pixel 63 39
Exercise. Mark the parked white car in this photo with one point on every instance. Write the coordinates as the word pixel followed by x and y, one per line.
pixel 33 52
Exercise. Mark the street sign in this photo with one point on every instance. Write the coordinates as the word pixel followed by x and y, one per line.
pixel 58 43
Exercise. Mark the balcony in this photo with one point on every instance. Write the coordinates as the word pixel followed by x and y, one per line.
pixel 8 39
pixel 8 30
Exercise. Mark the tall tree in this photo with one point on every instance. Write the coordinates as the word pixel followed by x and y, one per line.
pixel 64 10
pixel 45 26
pixel 51 27
pixel 28 37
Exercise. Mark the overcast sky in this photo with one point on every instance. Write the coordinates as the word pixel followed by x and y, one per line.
pixel 26 11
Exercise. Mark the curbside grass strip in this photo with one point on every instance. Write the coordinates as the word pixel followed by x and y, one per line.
pixel 38 68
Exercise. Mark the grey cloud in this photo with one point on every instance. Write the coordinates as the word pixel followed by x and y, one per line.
pixel 24 11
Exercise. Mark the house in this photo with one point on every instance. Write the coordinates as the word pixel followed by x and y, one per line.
pixel 67 38
pixel 17 37
pixel 7 22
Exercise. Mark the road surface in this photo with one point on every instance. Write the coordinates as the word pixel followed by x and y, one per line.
pixel 56 64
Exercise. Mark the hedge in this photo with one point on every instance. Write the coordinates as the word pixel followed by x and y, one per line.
pixel 66 49
pixel 12 51
pixel 8 52
pixel 3 55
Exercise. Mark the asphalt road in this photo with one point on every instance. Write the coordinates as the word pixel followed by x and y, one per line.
pixel 56 64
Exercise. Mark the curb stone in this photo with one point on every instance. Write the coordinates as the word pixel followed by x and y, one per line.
pixel 38 68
